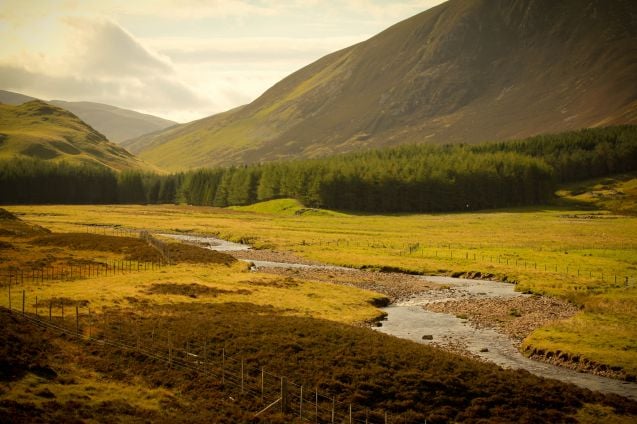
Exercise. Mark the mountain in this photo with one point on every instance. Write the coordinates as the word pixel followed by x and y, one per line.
pixel 463 72
pixel 43 131
pixel 115 123
pixel 10 98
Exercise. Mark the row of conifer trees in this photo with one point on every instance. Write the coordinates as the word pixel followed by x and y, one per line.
pixel 412 178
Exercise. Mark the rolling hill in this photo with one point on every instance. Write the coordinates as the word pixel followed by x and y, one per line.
pixel 463 72
pixel 115 123
pixel 42 131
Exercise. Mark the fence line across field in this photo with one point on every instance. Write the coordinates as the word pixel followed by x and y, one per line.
pixel 448 252
pixel 97 268
pixel 273 392
pixel 422 250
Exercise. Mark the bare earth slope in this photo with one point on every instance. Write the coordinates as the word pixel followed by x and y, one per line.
pixel 465 71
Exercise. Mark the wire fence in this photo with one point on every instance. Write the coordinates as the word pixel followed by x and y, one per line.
pixel 269 391
pixel 109 230
pixel 448 252
pixel 78 271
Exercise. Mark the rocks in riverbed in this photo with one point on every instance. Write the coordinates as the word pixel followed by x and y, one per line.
pixel 516 317
pixel 427 337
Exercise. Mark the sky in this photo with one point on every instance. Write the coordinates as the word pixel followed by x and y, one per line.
pixel 178 59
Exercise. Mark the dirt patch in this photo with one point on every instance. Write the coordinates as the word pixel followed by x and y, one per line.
pixel 516 317
pixel 394 286
pixel 286 283
pixel 272 256
pixel 5 214
pixel 11 225
pixel 136 249
pixel 181 252
pixel 192 290
pixel 575 362
pixel 57 302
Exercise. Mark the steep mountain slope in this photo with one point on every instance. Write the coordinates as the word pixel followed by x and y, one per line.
pixel 39 130
pixel 115 123
pixel 465 71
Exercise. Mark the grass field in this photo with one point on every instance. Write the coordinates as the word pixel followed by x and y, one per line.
pixel 581 254
pixel 296 328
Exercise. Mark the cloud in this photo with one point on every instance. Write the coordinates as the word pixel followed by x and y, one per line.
pixel 181 59
pixel 103 48
pixel 253 50
pixel 102 62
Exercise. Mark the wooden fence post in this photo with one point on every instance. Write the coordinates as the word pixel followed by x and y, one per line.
pixel 284 394
pixel 316 405
pixel 170 350
pixel 262 383
pixel 23 300
pixel 301 405
pixel 9 295
pixel 242 383
pixel 77 320
pixel 333 410
pixel 205 355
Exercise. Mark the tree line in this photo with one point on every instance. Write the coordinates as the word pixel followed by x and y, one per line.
pixel 415 178
pixel 35 181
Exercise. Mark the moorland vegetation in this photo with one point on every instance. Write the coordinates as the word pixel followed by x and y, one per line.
pixel 288 326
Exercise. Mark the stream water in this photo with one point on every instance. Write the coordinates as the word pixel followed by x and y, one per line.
pixel 408 319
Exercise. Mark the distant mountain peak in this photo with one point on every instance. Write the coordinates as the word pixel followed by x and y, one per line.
pixel 115 123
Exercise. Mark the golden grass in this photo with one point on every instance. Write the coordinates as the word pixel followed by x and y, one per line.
pixel 235 283
pixel 89 386
pixel 609 339
pixel 539 239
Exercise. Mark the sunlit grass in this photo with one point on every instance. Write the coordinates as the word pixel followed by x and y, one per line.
pixel 605 338
pixel 579 255
pixel 234 284
pixel 92 387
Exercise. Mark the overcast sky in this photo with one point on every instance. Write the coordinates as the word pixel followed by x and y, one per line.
pixel 179 59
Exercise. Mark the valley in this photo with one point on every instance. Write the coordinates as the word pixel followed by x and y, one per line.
pixel 202 298
pixel 373 212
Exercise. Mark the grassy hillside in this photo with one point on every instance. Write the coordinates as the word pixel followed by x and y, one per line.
pixel 41 131
pixel 464 71
pixel 284 207
pixel 617 193
pixel 115 123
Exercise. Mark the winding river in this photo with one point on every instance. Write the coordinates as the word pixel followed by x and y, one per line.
pixel 408 319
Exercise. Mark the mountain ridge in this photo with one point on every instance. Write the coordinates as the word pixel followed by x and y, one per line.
pixel 42 131
pixel 462 72
pixel 117 124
